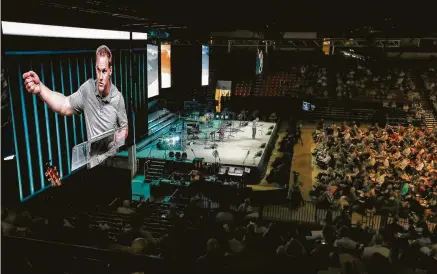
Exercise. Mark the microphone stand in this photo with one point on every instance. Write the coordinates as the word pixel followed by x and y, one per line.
pixel 193 153
pixel 244 168
pixel 244 161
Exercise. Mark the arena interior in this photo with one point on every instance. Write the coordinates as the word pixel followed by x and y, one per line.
pixel 265 138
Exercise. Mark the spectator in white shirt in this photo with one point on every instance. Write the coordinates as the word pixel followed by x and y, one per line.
pixel 125 208
pixel 345 243
pixel 376 248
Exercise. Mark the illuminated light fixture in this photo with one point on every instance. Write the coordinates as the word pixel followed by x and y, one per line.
pixel 139 36
pixel 26 29
pixel 9 158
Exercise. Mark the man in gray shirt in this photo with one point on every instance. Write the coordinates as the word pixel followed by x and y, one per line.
pixel 100 101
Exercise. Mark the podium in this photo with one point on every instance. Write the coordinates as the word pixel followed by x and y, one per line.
pixel 98 148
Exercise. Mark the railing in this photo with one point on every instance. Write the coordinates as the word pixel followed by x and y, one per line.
pixel 72 257
pixel 310 213
pixel 146 167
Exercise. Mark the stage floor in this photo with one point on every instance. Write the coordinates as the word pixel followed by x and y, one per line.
pixel 232 150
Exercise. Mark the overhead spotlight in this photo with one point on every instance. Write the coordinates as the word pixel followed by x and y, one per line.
pixel 171 154
pixel 271 127
pixel 263 145
pixel 269 133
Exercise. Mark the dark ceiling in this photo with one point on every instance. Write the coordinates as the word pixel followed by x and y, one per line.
pixel 331 19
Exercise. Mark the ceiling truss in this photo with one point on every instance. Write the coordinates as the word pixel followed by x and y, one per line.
pixel 310 42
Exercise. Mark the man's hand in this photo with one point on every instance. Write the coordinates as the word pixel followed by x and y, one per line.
pixel 32 82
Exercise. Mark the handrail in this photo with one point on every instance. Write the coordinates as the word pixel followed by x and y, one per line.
pixel 113 202
pixel 146 167
pixel 311 213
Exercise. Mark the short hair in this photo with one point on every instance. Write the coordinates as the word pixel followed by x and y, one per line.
pixel 377 239
pixel 104 51
pixel 212 245
pixel 126 203
pixel 139 245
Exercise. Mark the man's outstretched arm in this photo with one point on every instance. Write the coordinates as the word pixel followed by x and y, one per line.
pixel 55 100
pixel 58 102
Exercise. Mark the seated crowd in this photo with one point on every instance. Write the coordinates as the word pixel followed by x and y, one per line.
pixel 225 240
pixel 391 169
pixel 395 88
pixel 360 80
pixel 430 83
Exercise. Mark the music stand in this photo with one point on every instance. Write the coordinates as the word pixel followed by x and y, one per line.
pixel 261 130
pixel 230 129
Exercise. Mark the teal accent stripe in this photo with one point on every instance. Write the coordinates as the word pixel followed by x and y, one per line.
pixel 67 138
pixel 140 88
pixel 131 98
pixel 58 137
pixel 135 87
pixel 146 89
pixel 126 98
pixel 71 92
pixel 78 86
pixel 85 73
pixel 84 70
pixel 17 154
pixel 26 131
pixel 92 68
pixel 46 114
pixel 114 74
pixel 121 75
pixel 38 141
pixel 36 193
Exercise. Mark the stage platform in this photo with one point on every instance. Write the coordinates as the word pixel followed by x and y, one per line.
pixel 232 150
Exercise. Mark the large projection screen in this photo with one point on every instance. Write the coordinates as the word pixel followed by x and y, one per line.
pixel 165 66
pixel 205 65
pixel 259 61
pixel 152 71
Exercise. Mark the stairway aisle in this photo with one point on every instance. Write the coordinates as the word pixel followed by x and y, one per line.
pixel 430 119
pixel 257 84
pixel 155 170
pixel 210 91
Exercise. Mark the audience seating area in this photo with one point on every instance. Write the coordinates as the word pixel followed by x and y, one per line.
pixel 376 169
pixel 430 84
pixel 189 239
pixel 385 176
pixel 295 82
pixel 243 88
pixel 279 84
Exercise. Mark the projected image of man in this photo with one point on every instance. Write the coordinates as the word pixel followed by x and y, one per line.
pixel 100 101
